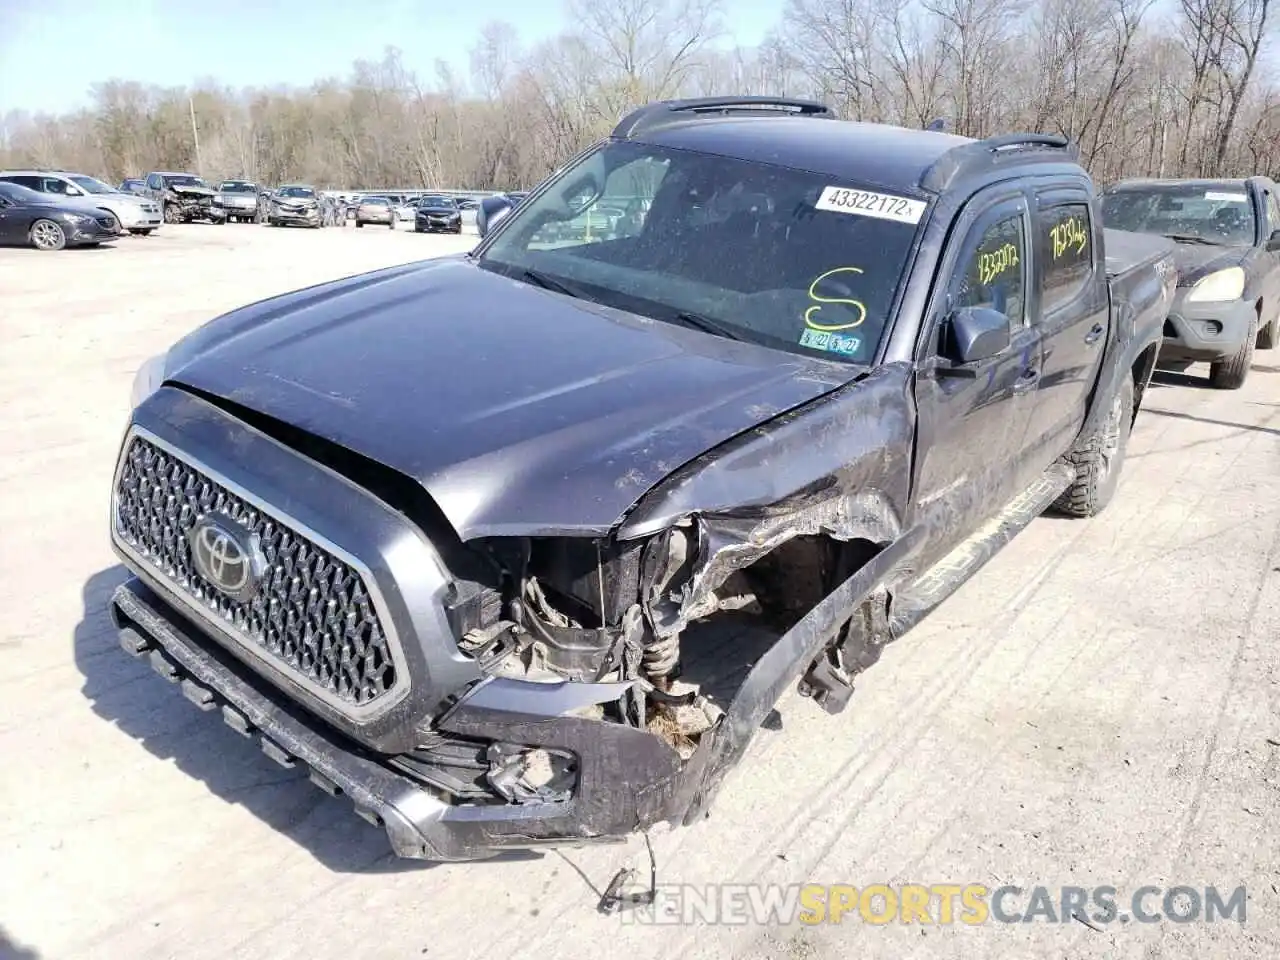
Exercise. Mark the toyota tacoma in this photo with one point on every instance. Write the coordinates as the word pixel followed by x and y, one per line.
pixel 521 546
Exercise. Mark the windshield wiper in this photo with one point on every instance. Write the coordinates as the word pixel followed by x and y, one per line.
pixel 707 325
pixel 539 279
pixel 1191 238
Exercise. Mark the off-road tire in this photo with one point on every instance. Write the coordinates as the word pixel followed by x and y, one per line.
pixel 1269 336
pixel 1098 459
pixel 1230 373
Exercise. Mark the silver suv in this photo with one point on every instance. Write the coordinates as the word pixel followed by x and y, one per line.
pixel 138 215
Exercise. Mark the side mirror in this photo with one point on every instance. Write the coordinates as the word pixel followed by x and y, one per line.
pixel 974 334
pixel 491 212
pixel 1273 242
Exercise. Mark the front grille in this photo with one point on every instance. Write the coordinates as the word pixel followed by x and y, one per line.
pixel 312 615
pixel 107 223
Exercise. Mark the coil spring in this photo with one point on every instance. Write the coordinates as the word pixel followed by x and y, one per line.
pixel 660 656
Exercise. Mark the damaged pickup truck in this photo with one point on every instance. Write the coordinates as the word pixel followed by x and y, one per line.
pixel 522 546
pixel 184 197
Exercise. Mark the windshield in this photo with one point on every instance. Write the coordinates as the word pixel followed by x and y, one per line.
pixel 435 202
pixel 302 192
pixel 20 194
pixel 91 185
pixel 184 180
pixel 376 201
pixel 237 186
pixel 781 257
pixel 1215 212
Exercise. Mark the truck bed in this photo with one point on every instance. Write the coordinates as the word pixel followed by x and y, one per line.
pixel 1128 251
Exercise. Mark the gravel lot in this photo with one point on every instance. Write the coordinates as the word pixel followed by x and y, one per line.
pixel 1099 706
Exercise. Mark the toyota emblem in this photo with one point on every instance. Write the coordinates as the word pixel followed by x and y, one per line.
pixel 227 555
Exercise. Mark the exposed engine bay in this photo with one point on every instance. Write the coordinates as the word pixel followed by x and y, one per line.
pixel 597 611
pixel 186 204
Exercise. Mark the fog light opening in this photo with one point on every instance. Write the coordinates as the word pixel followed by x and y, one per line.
pixel 522 774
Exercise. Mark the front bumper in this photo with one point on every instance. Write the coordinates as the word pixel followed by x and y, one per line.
pixel 309 217
pixel 234 211
pixel 141 219
pixel 92 232
pixel 627 779
pixel 437 224
pixel 1201 332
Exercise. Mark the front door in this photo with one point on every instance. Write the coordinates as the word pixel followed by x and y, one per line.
pixel 972 428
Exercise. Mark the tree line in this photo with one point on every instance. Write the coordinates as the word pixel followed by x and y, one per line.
pixel 1146 89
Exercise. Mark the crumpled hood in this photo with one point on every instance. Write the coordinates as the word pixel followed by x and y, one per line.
pixel 192 190
pixel 1196 261
pixel 520 411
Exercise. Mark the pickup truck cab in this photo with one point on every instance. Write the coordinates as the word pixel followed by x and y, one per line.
pixel 1228 257
pixel 522 546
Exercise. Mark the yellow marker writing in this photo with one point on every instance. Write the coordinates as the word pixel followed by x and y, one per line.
pixel 813 295
pixel 1068 234
pixel 991 265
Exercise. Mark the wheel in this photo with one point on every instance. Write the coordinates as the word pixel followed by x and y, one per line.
pixel 391 223
pixel 47 235
pixel 1269 336
pixel 1098 458
pixel 273 222
pixel 1231 372
pixel 359 224
pixel 171 214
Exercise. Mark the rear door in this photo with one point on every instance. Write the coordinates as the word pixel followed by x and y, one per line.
pixel 971 429
pixel 1070 306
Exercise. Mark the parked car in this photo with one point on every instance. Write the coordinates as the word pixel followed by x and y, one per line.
pixel 135 214
pixel 133 186
pixel 1228 255
pixel 437 214
pixel 45 221
pixel 405 209
pixel 466 536
pixel 183 197
pixel 239 199
pixel 295 203
pixel 375 210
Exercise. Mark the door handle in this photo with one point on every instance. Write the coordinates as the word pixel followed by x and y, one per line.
pixel 1027 380
pixel 1095 333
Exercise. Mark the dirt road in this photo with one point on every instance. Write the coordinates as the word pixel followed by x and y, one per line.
pixel 1101 705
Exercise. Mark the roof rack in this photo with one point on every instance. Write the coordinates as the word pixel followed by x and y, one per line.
pixel 994 150
pixel 664 112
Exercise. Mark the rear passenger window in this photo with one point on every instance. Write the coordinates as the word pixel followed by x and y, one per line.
pixel 1067 234
pixel 993 271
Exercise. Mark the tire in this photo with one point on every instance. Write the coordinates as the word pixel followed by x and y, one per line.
pixel 170 214
pixel 1269 336
pixel 359 224
pixel 1230 373
pixel 47 235
pixel 1099 458
pixel 391 224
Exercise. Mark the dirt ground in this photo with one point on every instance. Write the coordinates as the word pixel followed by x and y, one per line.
pixel 1101 705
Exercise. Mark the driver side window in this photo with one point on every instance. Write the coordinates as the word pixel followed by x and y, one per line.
pixel 992 271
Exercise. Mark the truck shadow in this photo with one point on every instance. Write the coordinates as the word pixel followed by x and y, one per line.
pixel 10 949
pixel 128 694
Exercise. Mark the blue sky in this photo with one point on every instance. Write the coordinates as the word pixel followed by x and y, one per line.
pixel 175 42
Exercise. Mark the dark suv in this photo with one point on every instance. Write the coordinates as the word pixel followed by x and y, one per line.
pixel 523 545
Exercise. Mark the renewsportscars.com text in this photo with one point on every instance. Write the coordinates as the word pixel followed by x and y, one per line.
pixel 945 903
